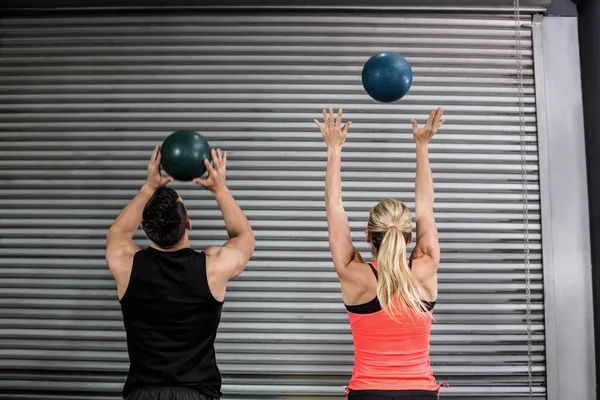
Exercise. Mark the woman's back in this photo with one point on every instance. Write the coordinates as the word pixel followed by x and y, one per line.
pixel 390 316
pixel 390 354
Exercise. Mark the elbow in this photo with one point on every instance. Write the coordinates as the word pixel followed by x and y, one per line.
pixel 246 253
pixel 436 260
pixel 250 240
pixel 251 248
pixel 252 243
pixel 115 230
pixel 110 233
pixel 117 233
pixel 249 234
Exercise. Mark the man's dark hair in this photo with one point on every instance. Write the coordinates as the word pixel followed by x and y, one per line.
pixel 164 218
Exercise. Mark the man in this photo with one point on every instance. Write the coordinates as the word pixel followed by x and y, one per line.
pixel 171 296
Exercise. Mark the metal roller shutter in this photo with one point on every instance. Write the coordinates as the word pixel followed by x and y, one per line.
pixel 84 98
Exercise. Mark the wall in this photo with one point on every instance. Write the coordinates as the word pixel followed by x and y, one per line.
pixel 565 218
pixel 589 31
pixel 358 4
pixel 84 98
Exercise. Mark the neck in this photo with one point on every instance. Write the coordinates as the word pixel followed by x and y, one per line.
pixel 184 244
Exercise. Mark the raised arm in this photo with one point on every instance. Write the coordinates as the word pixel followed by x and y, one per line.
pixel 340 239
pixel 427 249
pixel 119 239
pixel 234 255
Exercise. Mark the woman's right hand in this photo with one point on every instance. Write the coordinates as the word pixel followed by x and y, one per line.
pixel 333 134
pixel 435 121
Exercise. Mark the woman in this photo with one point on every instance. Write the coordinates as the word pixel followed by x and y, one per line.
pixel 390 300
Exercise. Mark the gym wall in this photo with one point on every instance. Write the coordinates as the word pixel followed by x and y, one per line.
pixel 84 97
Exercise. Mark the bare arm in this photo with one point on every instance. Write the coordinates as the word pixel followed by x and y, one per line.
pixel 119 239
pixel 340 239
pixel 427 234
pixel 122 230
pixel 427 249
pixel 240 246
pixel 234 255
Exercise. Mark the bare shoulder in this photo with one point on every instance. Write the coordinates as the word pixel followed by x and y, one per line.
pixel 212 251
pixel 121 257
pixel 120 263
pixel 222 264
pixel 221 258
pixel 360 283
pixel 212 254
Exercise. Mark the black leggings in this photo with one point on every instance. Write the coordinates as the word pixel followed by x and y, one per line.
pixel 392 395
pixel 168 393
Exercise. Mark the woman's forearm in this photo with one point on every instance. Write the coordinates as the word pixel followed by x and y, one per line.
pixel 333 178
pixel 423 183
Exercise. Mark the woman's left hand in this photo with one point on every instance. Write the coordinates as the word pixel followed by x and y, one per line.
pixel 333 134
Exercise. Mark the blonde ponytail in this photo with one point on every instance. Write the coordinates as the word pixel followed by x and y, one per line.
pixel 398 290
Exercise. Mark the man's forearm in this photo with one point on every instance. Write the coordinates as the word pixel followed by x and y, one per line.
pixel 236 222
pixel 130 218
pixel 423 182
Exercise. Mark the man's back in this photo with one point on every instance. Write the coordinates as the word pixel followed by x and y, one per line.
pixel 171 296
pixel 171 319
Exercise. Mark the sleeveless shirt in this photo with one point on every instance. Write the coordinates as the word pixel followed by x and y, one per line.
pixel 171 320
pixel 390 355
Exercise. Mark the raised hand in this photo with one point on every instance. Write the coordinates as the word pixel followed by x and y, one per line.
pixel 154 180
pixel 216 172
pixel 434 122
pixel 333 134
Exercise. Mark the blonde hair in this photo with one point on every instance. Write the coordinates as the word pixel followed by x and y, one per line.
pixel 390 229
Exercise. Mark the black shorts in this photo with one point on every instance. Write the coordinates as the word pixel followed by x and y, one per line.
pixel 392 395
pixel 168 393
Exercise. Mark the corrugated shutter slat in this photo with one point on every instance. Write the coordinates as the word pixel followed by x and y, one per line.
pixel 84 98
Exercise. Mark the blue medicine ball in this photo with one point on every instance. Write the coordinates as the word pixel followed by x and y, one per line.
pixel 387 77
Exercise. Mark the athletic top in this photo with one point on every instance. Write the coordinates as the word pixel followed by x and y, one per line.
pixel 390 355
pixel 171 321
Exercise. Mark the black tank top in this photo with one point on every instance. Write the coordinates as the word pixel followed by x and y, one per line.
pixel 171 321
